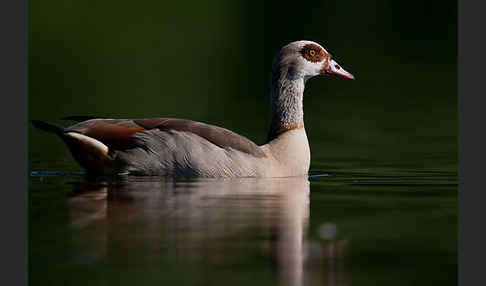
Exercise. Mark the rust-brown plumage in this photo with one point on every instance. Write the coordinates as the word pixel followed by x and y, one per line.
pixel 314 53
pixel 118 133
pixel 112 132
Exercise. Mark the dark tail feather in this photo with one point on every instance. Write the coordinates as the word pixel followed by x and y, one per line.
pixel 80 118
pixel 48 127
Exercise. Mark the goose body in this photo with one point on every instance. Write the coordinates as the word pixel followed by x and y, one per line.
pixel 184 148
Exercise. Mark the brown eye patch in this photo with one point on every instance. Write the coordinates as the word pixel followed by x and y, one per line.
pixel 313 53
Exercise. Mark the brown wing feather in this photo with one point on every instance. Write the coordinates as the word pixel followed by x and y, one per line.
pixel 112 132
pixel 219 136
pixel 118 132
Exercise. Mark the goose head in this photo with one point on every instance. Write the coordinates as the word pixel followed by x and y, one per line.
pixel 294 64
pixel 306 59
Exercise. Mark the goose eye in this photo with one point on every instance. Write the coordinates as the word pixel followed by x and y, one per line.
pixel 313 53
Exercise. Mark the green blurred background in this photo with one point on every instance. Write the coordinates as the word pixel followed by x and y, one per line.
pixel 388 139
pixel 210 61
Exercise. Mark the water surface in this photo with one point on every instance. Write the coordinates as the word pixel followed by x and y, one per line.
pixel 345 229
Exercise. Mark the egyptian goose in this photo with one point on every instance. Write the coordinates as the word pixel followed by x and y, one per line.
pixel 184 148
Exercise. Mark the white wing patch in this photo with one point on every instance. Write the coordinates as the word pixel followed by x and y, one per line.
pixel 91 143
pixel 90 153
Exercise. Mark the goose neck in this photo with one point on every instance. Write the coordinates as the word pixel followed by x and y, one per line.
pixel 286 101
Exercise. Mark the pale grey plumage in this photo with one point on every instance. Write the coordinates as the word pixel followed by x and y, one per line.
pixel 184 154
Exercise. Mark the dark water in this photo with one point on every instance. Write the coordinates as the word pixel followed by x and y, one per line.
pixel 358 228
pixel 379 207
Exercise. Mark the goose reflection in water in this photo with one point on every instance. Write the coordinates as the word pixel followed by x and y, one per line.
pixel 203 223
